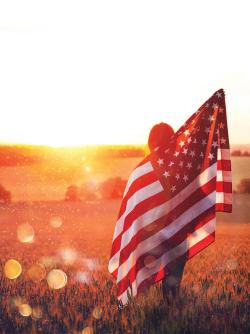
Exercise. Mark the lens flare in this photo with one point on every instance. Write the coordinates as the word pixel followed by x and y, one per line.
pixel 57 279
pixel 12 269
pixel 25 233
pixel 25 310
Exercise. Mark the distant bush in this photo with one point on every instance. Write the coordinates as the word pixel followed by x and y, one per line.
pixel 244 186
pixel 112 188
pixel 72 193
pixel 239 153
pixel 236 153
pixel 5 195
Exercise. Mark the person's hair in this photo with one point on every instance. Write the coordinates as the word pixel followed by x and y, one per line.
pixel 159 136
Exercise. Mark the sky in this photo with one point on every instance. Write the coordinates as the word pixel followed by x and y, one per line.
pixel 104 72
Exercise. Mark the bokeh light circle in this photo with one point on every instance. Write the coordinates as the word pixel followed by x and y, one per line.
pixel 56 222
pixel 25 310
pixel 88 330
pixel 57 279
pixel 25 233
pixel 12 269
pixel 36 272
pixel 97 313
pixel 37 313
pixel 150 261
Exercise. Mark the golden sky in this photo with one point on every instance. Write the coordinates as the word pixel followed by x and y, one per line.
pixel 103 72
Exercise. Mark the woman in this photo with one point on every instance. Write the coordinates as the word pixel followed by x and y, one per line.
pixel 159 136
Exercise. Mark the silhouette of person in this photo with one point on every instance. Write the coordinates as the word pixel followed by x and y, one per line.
pixel 159 136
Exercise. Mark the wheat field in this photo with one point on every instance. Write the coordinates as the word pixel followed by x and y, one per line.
pixel 76 238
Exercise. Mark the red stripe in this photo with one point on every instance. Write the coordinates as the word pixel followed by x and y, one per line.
pixel 222 186
pixel 138 210
pixel 136 185
pixel 154 227
pixel 224 165
pixel 185 257
pixel 163 247
pixel 223 207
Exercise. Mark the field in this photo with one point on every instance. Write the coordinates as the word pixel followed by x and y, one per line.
pixel 76 238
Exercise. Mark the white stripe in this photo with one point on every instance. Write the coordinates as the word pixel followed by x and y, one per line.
pixel 174 253
pixel 222 197
pixel 139 196
pixel 163 209
pixel 223 154
pixel 165 233
pixel 139 171
pixel 223 175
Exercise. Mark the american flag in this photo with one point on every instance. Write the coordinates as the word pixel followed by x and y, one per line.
pixel 168 210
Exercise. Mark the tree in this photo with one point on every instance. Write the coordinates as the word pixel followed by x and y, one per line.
pixel 113 188
pixel 236 153
pixel 72 193
pixel 5 195
pixel 244 186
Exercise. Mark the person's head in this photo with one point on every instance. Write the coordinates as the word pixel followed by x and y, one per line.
pixel 159 136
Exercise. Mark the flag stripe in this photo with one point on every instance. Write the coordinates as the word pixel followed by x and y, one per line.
pixel 198 236
pixel 161 210
pixel 182 207
pixel 169 204
pixel 137 172
pixel 167 243
pixel 168 232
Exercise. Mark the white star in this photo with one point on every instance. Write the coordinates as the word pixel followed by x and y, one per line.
pixel 199 167
pixel 185 151
pixel 202 155
pixel 176 153
pixel 211 118
pixel 214 144
pixel 207 130
pixel 218 95
pixel 181 143
pixel 222 125
pixel 181 164
pixel 185 178
pixel 192 153
pixel 207 105
pixel 189 165
pixel 223 140
pixel 171 164
pixel 195 141
pixel 210 156
pixel 186 132
pixel 221 110
pixel 203 142
pixel 215 106
pixel 193 121
pixel 177 176
pixel 156 149
pixel 160 162
pixel 166 174
pixel 189 140
pixel 173 188
pixel 166 151
pixel 217 131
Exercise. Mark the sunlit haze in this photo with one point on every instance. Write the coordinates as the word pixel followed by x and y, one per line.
pixel 103 72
